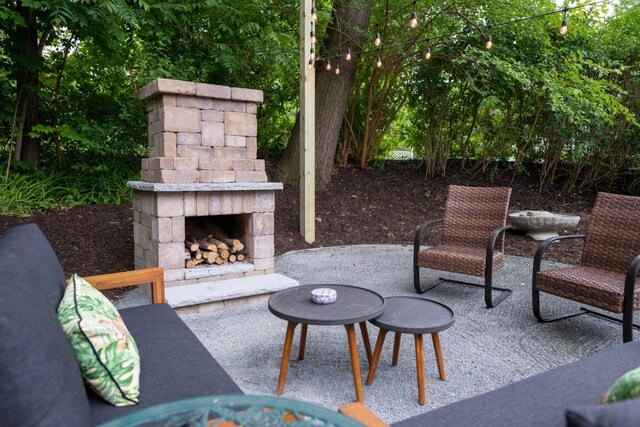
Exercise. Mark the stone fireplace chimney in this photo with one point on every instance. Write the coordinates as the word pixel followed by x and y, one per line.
pixel 203 173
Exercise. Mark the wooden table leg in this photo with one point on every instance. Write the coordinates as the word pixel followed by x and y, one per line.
pixel 286 352
pixel 396 348
pixel 376 356
pixel 436 346
pixel 420 369
pixel 303 341
pixel 355 364
pixel 367 342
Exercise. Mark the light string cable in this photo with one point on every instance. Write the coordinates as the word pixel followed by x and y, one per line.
pixel 487 40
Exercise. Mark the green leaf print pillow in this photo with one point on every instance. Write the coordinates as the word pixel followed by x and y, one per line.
pixel 106 352
pixel 626 387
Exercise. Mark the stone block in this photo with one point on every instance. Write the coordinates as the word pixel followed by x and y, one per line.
pixel 235 141
pixel 259 165
pixel 212 116
pixel 254 273
pixel 160 86
pixel 173 274
pixel 215 203
pixel 243 94
pixel 265 201
pixel 196 152
pixel 249 202
pixel 178 119
pixel 153 115
pixel 252 108
pixel 148 202
pixel 169 205
pixel 183 177
pixel 160 163
pixel 185 163
pixel 156 127
pixel 190 204
pixel 252 148
pixel 165 144
pixel 177 229
pixel 138 251
pixel 166 99
pixel 213 91
pixel 244 165
pixel 202 204
pixel 190 309
pixel 180 283
pixel 216 164
pixel 236 106
pixel 145 219
pixel 144 164
pixel 171 255
pixel 263 263
pixel 217 176
pixel 213 134
pixel 241 124
pixel 189 138
pixel 251 176
pixel 147 176
pixel 261 247
pixel 161 230
pixel 151 255
pixel 261 224
pixel 237 206
pixel 229 153
pixel 226 203
pixel 194 102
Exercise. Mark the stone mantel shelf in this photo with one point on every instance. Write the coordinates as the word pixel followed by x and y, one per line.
pixel 215 186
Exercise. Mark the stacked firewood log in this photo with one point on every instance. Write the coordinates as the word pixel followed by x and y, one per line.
pixel 212 250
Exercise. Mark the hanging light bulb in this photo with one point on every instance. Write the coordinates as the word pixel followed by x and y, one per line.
pixel 427 55
pixel 378 40
pixel 328 65
pixel 314 14
pixel 337 70
pixel 313 54
pixel 311 63
pixel 348 55
pixel 313 37
pixel 564 28
pixel 413 22
pixel 488 43
pixel 379 62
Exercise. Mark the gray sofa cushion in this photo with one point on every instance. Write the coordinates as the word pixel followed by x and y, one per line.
pixel 174 364
pixel 540 400
pixel 40 383
pixel 621 414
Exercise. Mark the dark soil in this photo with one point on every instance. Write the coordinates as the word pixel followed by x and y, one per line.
pixel 358 207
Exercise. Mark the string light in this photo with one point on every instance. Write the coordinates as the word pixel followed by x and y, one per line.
pixel 488 43
pixel 337 70
pixel 379 61
pixel 378 40
pixel 314 14
pixel 427 55
pixel 348 55
pixel 313 37
pixel 311 64
pixel 313 54
pixel 328 65
pixel 564 28
pixel 413 22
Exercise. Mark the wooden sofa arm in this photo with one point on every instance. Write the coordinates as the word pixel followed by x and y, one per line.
pixel 360 413
pixel 155 276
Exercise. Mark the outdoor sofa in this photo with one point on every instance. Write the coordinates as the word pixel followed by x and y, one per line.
pixel 40 382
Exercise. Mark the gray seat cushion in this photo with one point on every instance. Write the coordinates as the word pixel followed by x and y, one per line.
pixel 174 364
pixel 540 400
pixel 40 382
pixel 621 414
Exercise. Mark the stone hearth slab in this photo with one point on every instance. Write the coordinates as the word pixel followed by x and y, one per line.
pixel 201 293
pixel 213 186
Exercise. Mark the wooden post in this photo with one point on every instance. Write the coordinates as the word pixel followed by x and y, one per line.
pixel 307 128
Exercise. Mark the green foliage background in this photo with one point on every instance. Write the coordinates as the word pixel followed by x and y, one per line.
pixel 568 105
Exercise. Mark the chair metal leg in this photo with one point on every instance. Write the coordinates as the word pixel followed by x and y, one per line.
pixel 491 302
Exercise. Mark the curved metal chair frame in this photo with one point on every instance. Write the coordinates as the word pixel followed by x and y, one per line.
pixel 627 304
pixel 488 269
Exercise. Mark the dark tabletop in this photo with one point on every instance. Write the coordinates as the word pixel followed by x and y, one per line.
pixel 414 315
pixel 353 305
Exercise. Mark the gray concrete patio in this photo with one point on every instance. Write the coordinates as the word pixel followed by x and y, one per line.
pixel 484 350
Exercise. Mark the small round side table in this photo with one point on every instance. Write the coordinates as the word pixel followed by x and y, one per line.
pixel 417 316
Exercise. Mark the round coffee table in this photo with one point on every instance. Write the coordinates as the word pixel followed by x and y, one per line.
pixel 353 305
pixel 417 316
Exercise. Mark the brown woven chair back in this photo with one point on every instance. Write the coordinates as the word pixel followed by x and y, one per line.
pixel 472 213
pixel 613 233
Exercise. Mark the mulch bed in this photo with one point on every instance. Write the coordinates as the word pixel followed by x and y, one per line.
pixel 358 207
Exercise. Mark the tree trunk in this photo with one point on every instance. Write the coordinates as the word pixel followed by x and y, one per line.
pixel 27 80
pixel 350 20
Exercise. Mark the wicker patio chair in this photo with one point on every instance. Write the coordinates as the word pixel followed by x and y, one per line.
pixel 472 239
pixel 608 268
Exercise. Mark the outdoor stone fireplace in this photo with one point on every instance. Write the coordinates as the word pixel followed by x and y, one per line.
pixel 203 174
